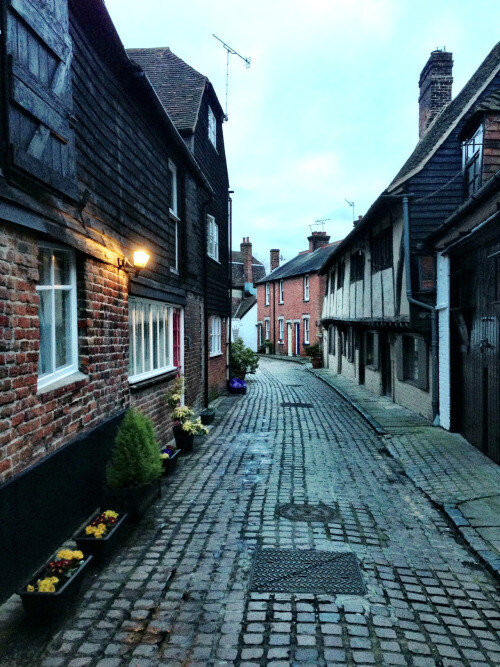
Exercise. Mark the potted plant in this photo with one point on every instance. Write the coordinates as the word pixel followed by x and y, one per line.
pixel 168 457
pixel 242 359
pixel 268 346
pixel 133 473
pixel 314 353
pixel 207 416
pixel 185 428
pixel 101 535
pixel 55 584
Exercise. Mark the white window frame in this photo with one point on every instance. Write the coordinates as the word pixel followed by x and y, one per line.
pixel 306 288
pixel 71 325
pixel 174 209
pixel 281 328
pixel 266 303
pixel 267 329
pixel 215 336
pixel 281 291
pixel 142 311
pixel 307 333
pixel 212 238
pixel 212 127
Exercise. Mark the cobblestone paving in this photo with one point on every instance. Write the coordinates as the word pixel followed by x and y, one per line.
pixel 178 593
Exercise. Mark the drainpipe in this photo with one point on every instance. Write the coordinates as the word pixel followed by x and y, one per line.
pixel 425 306
pixel 230 283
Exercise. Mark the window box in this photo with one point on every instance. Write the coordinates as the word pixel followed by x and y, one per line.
pixel 101 548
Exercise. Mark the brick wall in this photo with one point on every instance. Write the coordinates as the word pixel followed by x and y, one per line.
pixel 32 423
pixel 217 367
pixel 293 308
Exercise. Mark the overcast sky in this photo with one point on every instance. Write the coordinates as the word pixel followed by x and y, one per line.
pixel 328 109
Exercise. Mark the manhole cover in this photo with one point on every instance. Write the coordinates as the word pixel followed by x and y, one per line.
pixel 296 405
pixel 292 571
pixel 307 513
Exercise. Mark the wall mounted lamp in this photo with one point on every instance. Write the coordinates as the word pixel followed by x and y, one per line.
pixel 141 258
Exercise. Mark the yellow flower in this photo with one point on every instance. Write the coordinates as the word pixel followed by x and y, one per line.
pixel 110 514
pixel 67 554
pixel 47 585
pixel 30 589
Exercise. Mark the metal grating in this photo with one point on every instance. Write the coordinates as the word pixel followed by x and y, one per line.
pixel 294 571
pixel 297 405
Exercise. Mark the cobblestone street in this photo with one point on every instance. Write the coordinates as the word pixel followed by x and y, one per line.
pixel 178 591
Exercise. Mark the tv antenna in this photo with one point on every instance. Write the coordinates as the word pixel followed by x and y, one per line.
pixel 351 204
pixel 319 223
pixel 231 51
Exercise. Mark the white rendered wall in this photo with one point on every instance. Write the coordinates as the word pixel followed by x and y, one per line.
pixel 247 329
pixel 443 305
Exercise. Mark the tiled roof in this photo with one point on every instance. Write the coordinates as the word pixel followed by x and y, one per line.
pixel 244 306
pixel 448 118
pixel 179 87
pixel 258 269
pixel 308 262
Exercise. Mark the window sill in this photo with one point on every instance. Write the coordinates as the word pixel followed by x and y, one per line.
pixel 215 354
pixel 137 385
pixel 305 300
pixel 174 271
pixel 214 259
pixel 73 378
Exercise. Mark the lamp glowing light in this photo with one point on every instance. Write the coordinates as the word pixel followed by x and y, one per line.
pixel 141 258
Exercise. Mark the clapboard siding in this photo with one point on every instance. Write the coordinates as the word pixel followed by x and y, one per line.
pixel 123 152
pixel 213 163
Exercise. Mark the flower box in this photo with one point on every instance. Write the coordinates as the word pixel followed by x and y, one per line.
pixel 101 547
pixel 170 463
pixel 45 605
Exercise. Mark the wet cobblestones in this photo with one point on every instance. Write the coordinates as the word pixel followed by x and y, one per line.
pixel 177 592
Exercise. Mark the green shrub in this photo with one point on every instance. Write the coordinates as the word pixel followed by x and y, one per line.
pixel 243 359
pixel 135 459
pixel 312 350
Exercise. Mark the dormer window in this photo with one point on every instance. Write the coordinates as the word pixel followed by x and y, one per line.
pixel 212 127
pixel 472 158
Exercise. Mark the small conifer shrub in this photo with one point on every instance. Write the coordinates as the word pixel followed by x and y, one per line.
pixel 135 460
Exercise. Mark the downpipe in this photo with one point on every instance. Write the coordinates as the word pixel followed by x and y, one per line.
pixel 425 306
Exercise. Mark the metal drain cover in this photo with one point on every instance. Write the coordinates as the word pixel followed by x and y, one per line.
pixel 294 571
pixel 308 513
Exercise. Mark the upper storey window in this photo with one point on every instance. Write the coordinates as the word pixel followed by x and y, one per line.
pixel 472 158
pixel 357 266
pixel 212 127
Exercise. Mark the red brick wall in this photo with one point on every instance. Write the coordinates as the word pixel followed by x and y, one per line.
pixel 33 424
pixel 217 374
pixel 293 308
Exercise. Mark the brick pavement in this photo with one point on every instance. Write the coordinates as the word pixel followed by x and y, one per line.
pixel 177 592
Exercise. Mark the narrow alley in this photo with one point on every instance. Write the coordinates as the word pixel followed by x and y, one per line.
pixel 289 467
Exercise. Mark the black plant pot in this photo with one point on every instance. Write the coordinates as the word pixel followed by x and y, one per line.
pixel 207 416
pixel 183 440
pixel 133 501
pixel 45 605
pixel 100 548
pixel 170 463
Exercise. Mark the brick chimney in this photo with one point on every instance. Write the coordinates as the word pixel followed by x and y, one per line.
pixel 246 251
pixel 275 259
pixel 317 240
pixel 435 88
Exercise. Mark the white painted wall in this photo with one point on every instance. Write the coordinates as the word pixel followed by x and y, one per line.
pixel 443 305
pixel 246 328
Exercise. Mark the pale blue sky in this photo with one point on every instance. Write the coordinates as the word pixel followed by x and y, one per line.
pixel 328 110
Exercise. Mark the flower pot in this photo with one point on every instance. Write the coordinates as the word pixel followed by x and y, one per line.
pixel 134 500
pixel 316 362
pixel 100 548
pixel 207 416
pixel 45 605
pixel 170 463
pixel 183 440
